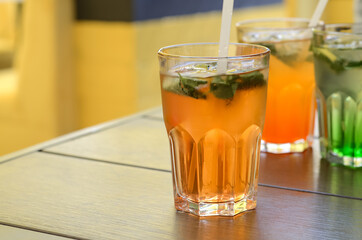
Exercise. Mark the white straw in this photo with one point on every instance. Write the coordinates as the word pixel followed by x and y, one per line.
pixel 227 11
pixel 318 13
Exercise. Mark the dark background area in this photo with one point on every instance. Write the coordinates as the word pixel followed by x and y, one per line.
pixel 138 10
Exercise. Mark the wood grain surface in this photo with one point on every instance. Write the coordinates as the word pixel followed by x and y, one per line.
pixel 97 200
pixel 307 171
pixel 141 142
pixel 79 133
pixel 14 233
pixel 137 141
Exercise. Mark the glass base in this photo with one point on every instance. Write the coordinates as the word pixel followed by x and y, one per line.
pixel 297 146
pixel 215 209
pixel 348 161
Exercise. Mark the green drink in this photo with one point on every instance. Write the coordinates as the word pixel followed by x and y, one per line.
pixel 338 71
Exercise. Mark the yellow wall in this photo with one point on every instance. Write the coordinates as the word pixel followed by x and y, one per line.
pixel 106 75
pixel 41 104
pixel 72 74
pixel 7 25
pixel 336 11
pixel 339 11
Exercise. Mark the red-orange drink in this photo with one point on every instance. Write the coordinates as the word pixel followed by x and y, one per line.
pixel 289 120
pixel 291 102
pixel 214 123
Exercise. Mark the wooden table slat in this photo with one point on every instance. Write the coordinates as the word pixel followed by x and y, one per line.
pixel 98 200
pixel 141 142
pixel 14 233
pixel 137 141
pixel 80 133
pixel 307 171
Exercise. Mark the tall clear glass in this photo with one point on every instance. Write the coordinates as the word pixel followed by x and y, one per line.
pixel 289 120
pixel 214 123
pixel 338 71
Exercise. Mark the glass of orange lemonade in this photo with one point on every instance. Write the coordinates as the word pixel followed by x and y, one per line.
pixel 289 120
pixel 214 123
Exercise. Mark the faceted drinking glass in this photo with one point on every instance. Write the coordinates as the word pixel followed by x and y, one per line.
pixel 290 111
pixel 214 123
pixel 338 71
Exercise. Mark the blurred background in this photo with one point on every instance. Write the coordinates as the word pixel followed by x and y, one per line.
pixel 70 64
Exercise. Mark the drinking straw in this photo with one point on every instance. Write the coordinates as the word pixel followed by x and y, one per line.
pixel 227 12
pixel 318 13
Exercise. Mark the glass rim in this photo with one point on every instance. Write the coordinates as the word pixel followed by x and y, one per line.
pixel 331 32
pixel 268 20
pixel 161 52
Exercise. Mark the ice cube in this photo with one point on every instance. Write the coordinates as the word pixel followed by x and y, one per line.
pixel 193 69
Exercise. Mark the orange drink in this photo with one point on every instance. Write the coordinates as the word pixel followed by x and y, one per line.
pixel 289 120
pixel 214 123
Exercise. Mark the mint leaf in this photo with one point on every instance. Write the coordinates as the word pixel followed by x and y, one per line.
pixel 189 85
pixel 288 53
pixel 354 64
pixel 191 82
pixel 251 80
pixel 336 63
pixel 175 88
pixel 223 87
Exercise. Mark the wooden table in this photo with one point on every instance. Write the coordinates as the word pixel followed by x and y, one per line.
pixel 113 181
